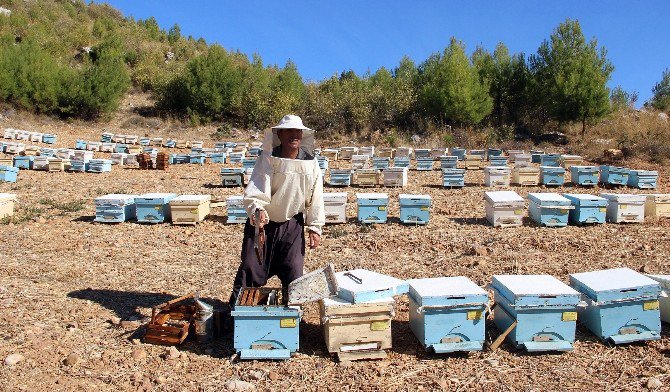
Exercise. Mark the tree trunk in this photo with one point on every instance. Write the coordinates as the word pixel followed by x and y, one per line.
pixel 583 127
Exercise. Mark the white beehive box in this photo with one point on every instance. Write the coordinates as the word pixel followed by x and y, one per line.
pixel 189 209
pixel 93 146
pixel 395 176
pixel 369 151
pixel 335 204
pixel 347 152
pixel 495 176
pixel 361 285
pixel 657 206
pixel 403 152
pixel 41 163
pixel 360 161
pixel 664 299
pixel 7 201
pixel 36 137
pixel 436 153
pixel 118 158
pixel 624 207
pixel 504 208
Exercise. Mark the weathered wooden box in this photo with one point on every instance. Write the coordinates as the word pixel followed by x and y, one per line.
pixel 474 161
pixel 108 147
pixel 231 176
pixel 395 176
pixel 526 176
pixel 643 179
pixel 381 163
pixel 522 160
pixel 335 204
pixel 99 165
pixel 624 207
pixel 448 162
pixel 552 175
pixel 414 209
pixel 657 206
pixel 368 150
pixel 552 160
pixel 421 153
pixel 399 161
pixel 367 177
pixel 584 175
pixel 588 208
pixel 567 161
pixel 436 153
pixel 543 308
pixel 386 152
pixel 372 207
pixel 621 304
pixel 458 152
pixel 447 314
pixel 347 152
pixel 330 153
pixel 189 209
pixel 536 156
pixel 549 209
pixel 114 208
pixel 360 161
pixel 404 152
pixel 495 176
pixel 504 208
pixel 493 152
pixel 498 160
pixel 153 207
pixel 263 328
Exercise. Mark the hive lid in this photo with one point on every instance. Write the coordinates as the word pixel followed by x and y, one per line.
pixel 553 168
pixel 7 196
pixel 497 169
pixel 156 195
pixel 663 280
pixel 503 197
pixel 624 197
pixel 185 199
pixel 614 284
pixel 645 172
pixel 335 196
pixel 407 196
pixel 235 198
pixel 534 290
pixel 362 285
pixel 372 196
pixel 442 290
pixel 548 198
pixel 115 198
pixel 584 197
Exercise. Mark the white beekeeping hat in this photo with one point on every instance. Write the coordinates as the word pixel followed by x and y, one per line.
pixel 289 121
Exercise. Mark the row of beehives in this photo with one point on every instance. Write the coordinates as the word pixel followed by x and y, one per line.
pixel 152 208
pixel 111 138
pixel 372 208
pixel 536 312
pixel 507 208
pixel 19 134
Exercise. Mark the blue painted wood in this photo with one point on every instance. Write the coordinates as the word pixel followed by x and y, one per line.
pixel 622 304
pixel 588 208
pixel 8 173
pixel 197 158
pixel 99 165
pixel 552 175
pixel 497 160
pixel 643 179
pixel 414 209
pixel 453 178
pixel 614 175
pixel 218 157
pixel 170 143
pixel 381 163
pixel 553 160
pixel 80 145
pixel 49 138
pixel 549 209
pixel 114 208
pixel 458 152
pixel 493 152
pixel 401 162
pixel 24 162
pixel 154 207
pixel 424 164
pixel 368 286
pixel 448 162
pixel 584 175
pixel 372 207
pixel 340 177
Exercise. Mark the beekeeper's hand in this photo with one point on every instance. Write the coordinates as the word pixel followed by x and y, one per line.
pixel 314 239
pixel 263 221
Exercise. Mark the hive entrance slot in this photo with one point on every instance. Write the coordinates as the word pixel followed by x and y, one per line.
pixel 628 290
pixel 547 296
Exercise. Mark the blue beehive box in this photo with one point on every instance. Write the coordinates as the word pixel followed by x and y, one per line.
pixel 380 163
pixel 497 160
pixel 643 179
pixel 481 153
pixel 248 163
pixel 48 152
pixel 361 285
pixel 99 165
pixel 153 207
pixel 584 175
pixel 553 160
pixel 448 162
pixel 372 207
pixel 536 156
pixel 114 208
pixel 414 209
pixel 254 151
pixel 196 150
pixel 264 329
pixel 170 143
pixel 235 210
pixel 340 177
pixel 235 157
pixel 229 144
pixel 493 152
pixel 78 165
pixel 24 161
pixel 421 153
pixel 458 152
pixel 145 141
pixel 322 161
pixel 218 157
pixel 401 162
pixel 8 173
pixel 424 164
pixel 614 175
pixel 549 209
pixel 621 304
pixel 544 308
pixel 80 145
pixel 588 208
pixel 106 137
pixel 197 158
pixel 232 176
pixel 447 314
pixel 121 148
pixel 49 138
pixel 453 178
pixel 552 175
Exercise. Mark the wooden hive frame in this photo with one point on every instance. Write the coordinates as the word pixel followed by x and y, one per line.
pixel 170 322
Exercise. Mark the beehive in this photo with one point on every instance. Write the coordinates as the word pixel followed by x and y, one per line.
pixel 567 161
pixel 642 179
pixel 458 152
pixel 395 176
pixel 197 158
pixel 380 163
pixel 436 153
pixel 664 298
pixel 403 152
pixel 536 156
pixel 552 160
pixel 584 175
pixel 41 163
pixel 153 207
pixel 8 173
pixel 385 153
pixel 30 150
pixel 526 176
pixel 493 152
pixel 322 161
pixel 360 161
pixel 367 177
pixel 414 209
pixel 588 208
pixel 624 207
pixel 361 285
pixel 497 176
pixel 399 161
pixel 448 162
pixel 114 208
pixel 330 153
pixel 481 153
pixel 447 314
pixel 357 331
pixel 621 305
pixel 108 147
pixel 93 146
pixel 189 209
pixel 369 151
pixel 657 206
pixel 514 153
pixel 7 201
pixel 56 165
pixel 340 177
pixel 99 165
pixel 236 157
pixel 614 175
pixel 372 207
pixel 235 210
pixel 131 139
pixel 157 141
pixel 549 209
pixel 474 161
pixel 24 162
pixel 335 204
pixel 453 178
pixel 498 160
pixel 504 208
pixel 36 137
pixel 106 137
pixel 522 160
pixel 421 153
pixel 347 152
pixel 263 327
pixel 552 175
pixel 218 157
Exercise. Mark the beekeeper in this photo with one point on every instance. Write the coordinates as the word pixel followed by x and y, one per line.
pixel 285 192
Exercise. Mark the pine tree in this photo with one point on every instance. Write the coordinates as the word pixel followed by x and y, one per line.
pixel 661 98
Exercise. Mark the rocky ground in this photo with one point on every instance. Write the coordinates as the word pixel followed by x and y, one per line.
pixel 74 294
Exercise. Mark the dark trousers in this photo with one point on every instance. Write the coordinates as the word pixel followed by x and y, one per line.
pixel 284 255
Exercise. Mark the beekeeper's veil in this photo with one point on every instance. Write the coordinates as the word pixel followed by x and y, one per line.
pixel 290 121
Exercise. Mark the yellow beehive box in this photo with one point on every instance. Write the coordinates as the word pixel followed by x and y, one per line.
pixel 189 209
pixel 657 205
pixel 367 177
pixel 7 201
pixel 331 153
pixel 357 331
pixel 526 176
pixel 5 161
pixel 134 149
pixel 568 161
pixel 474 162
pixel 386 152
pixel 31 150
pixel 55 165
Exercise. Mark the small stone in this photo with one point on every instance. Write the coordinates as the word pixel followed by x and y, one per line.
pixel 160 380
pixel 137 377
pixel 139 354
pixel 654 383
pixel 647 268
pixel 492 362
pixel 256 375
pixel 478 250
pixel 239 385
pixel 41 219
pixel 71 360
pixel 13 359
pixel 172 353
pixel 274 376
pixel 115 320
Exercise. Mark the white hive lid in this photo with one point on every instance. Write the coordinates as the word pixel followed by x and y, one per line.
pixel 155 195
pixel 521 285
pixel 335 301
pixel 583 196
pixel 503 197
pixel 335 196
pixel 7 196
pixel 548 197
pixel 612 279
pixel 624 197
pixel 445 286
pixel 185 199
pixel 371 281
pixel 372 196
pixel 408 196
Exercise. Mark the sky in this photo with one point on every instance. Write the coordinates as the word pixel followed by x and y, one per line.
pixel 327 37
